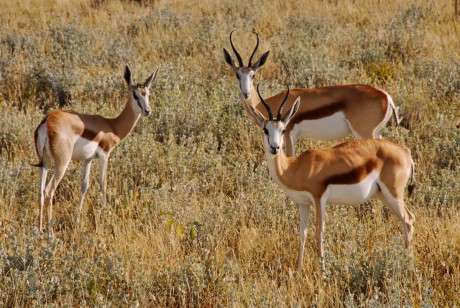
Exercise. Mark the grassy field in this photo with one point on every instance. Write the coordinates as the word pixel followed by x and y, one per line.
pixel 193 218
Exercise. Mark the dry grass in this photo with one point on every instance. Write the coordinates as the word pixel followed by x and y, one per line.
pixel 193 218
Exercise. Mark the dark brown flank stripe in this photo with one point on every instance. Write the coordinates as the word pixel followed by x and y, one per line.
pixel 320 112
pixel 354 176
pixel 91 135
pixel 88 134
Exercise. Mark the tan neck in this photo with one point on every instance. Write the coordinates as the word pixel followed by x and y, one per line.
pixel 278 165
pixel 290 172
pixel 125 122
pixel 254 101
pixel 254 98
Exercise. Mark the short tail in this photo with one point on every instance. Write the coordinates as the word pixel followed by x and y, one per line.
pixel 395 109
pixel 412 179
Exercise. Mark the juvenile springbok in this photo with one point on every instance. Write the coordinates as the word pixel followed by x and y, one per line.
pixel 325 113
pixel 66 135
pixel 349 173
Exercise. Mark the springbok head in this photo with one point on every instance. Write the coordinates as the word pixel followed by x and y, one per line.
pixel 245 74
pixel 274 128
pixel 139 93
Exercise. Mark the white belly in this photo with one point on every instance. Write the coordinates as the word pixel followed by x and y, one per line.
pixel 329 128
pixel 299 197
pixel 84 149
pixel 353 194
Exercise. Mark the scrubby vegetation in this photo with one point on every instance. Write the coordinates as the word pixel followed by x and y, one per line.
pixel 193 218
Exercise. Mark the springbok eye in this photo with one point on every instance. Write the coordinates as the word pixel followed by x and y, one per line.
pixel 252 77
pixel 237 76
pixel 283 131
pixel 265 131
pixel 135 96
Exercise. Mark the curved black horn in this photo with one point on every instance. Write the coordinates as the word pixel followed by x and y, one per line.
pixel 270 115
pixel 282 104
pixel 240 61
pixel 255 49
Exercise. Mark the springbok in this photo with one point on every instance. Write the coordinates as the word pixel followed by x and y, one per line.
pixel 325 113
pixel 349 173
pixel 66 135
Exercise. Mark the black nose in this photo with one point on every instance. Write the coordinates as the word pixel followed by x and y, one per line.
pixel 246 95
pixel 147 113
pixel 274 150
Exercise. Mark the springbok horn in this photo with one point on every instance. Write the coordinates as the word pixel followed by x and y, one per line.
pixel 270 115
pixel 240 61
pixel 255 49
pixel 282 104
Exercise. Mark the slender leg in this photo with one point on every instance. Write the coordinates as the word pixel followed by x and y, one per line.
pixel 86 167
pixel 320 206
pixel 43 174
pixel 304 215
pixel 59 172
pixel 103 160
pixel 397 207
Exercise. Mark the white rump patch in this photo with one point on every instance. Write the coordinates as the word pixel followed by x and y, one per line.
pixel 329 128
pixel 42 139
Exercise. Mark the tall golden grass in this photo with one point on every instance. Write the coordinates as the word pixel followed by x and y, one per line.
pixel 193 218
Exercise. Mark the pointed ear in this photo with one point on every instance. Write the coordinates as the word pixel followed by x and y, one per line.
pixel 292 111
pixel 229 60
pixel 128 76
pixel 152 77
pixel 256 114
pixel 261 61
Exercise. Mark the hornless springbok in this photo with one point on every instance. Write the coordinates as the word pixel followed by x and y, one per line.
pixel 325 113
pixel 349 173
pixel 66 135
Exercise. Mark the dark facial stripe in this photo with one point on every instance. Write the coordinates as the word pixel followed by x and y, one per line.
pixel 139 104
pixel 354 176
pixel 320 112
pixel 137 100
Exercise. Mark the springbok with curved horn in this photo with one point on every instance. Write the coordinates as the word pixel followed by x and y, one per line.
pixel 66 135
pixel 349 173
pixel 325 113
